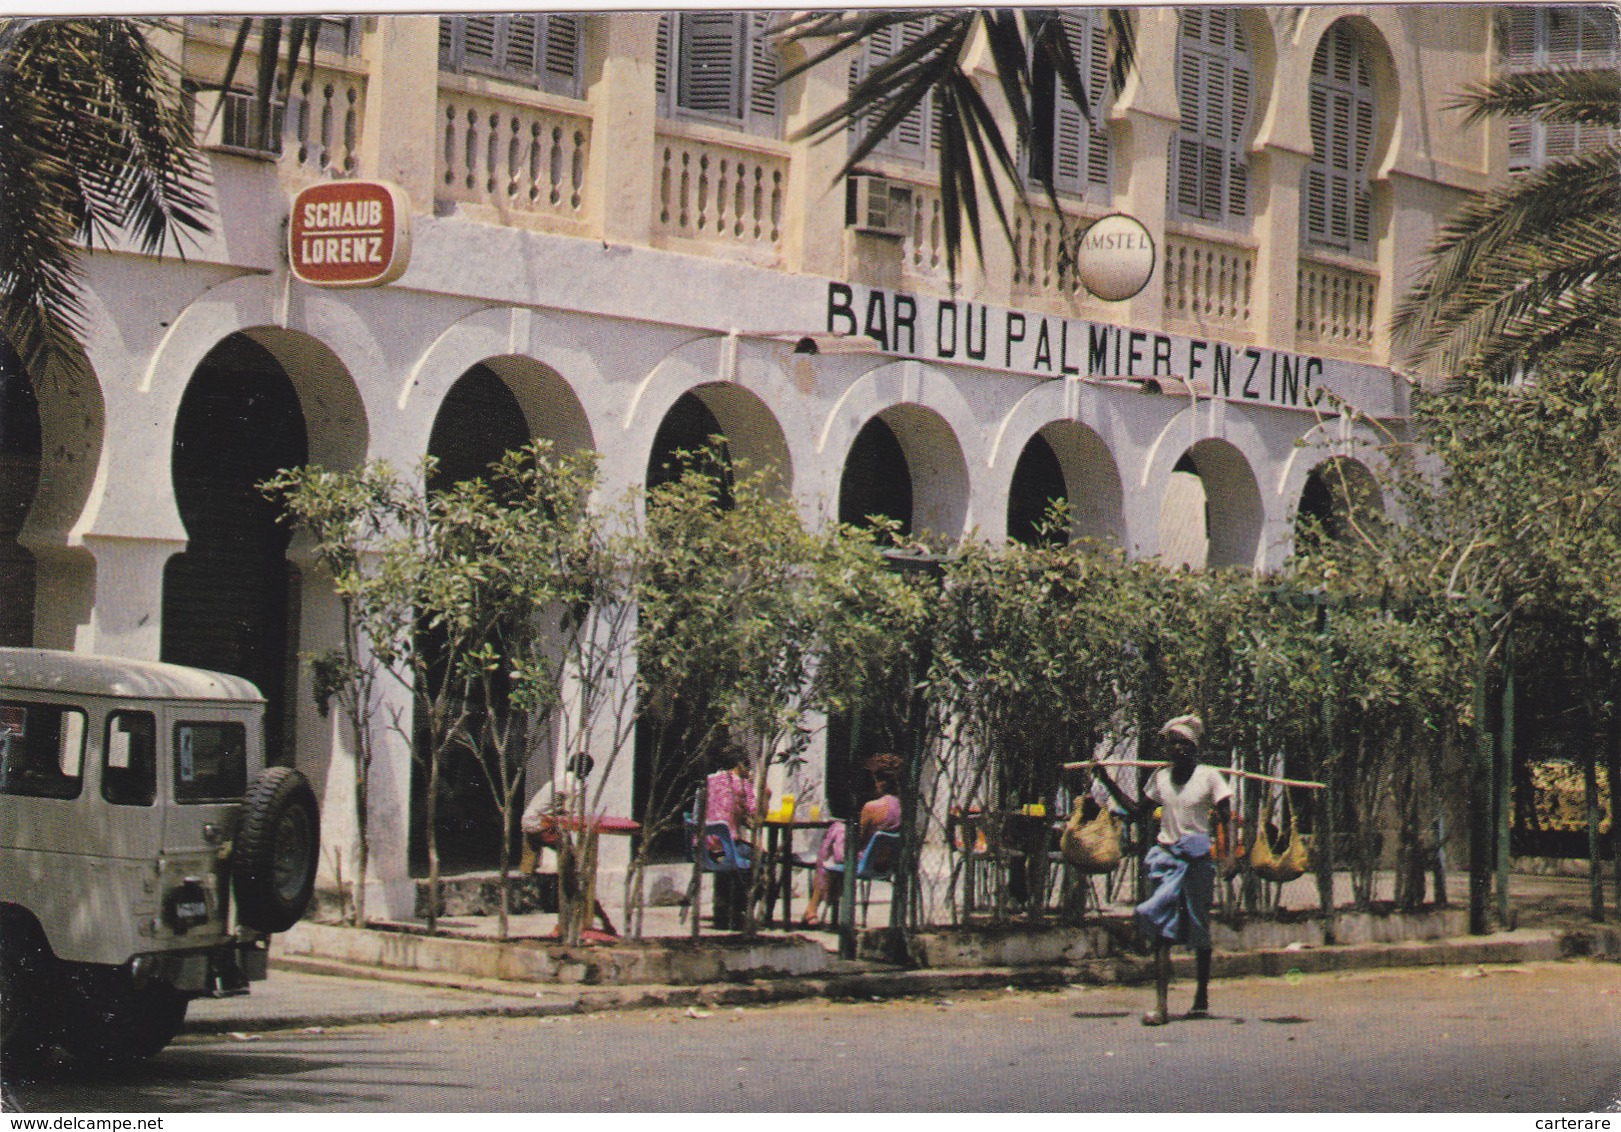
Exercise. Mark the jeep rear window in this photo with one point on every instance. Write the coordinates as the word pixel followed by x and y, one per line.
pixel 41 749
pixel 210 762
pixel 129 776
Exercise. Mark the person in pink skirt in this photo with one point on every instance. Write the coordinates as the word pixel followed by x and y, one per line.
pixel 883 812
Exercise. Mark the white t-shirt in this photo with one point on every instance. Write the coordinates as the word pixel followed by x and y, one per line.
pixel 556 797
pixel 1186 810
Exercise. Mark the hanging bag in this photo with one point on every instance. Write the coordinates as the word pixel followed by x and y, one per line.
pixel 1093 846
pixel 1289 863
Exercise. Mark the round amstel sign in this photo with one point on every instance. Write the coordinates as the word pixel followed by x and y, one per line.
pixel 349 234
pixel 1115 257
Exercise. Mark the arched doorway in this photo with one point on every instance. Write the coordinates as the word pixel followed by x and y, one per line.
pixel 1211 512
pixel 1339 493
pixel 231 599
pixel 1038 486
pixel 479 421
pixel 877 480
pixel 739 436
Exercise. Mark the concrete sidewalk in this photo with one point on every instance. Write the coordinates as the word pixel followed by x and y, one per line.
pixel 314 991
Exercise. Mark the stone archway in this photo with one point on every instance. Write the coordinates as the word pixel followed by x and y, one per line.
pixel 1067 462
pixel 1338 493
pixel 1211 512
pixel 231 598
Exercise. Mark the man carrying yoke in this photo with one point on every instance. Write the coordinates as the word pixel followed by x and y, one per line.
pixel 1181 871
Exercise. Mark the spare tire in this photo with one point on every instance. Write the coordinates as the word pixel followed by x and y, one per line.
pixel 277 844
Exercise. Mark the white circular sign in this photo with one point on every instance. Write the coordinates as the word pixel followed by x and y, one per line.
pixel 1115 257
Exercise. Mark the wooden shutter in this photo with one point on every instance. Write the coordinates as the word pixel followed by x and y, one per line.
pixel 1210 174
pixel 1097 142
pixel 708 70
pixel 561 55
pixel 662 50
pixel 910 139
pixel 763 115
pixel 478 41
pixel 1240 85
pixel 1338 209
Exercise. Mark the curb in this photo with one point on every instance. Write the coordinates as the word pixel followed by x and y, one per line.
pixel 531 1000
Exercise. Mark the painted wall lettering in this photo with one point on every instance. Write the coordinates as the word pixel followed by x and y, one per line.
pixel 1047 346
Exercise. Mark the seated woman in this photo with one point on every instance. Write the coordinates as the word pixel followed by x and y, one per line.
pixel 729 797
pixel 883 812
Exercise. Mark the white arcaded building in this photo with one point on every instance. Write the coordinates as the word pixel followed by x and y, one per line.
pixel 615 245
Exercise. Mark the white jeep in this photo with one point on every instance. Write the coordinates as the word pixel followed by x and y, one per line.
pixel 146 851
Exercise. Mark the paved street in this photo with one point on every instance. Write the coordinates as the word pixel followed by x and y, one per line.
pixel 1542 1037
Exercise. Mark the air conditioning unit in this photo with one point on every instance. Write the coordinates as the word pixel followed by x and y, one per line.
pixel 877 204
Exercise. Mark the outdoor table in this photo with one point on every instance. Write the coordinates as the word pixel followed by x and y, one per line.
pixel 998 836
pixel 594 828
pixel 779 863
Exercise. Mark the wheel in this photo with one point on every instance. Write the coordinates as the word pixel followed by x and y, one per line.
pixel 276 850
pixel 28 1017
pixel 107 1020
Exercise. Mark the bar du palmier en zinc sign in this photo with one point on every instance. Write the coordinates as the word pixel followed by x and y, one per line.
pixel 349 234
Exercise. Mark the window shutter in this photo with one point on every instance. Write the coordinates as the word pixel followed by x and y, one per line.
pixel 518 45
pixel 763 58
pixel 562 55
pixel 1210 179
pixel 1563 36
pixel 1338 210
pixel 661 66
pixel 909 139
pixel 709 71
pixel 447 42
pixel 1520 37
pixel 1238 176
pixel 1097 142
pixel 478 41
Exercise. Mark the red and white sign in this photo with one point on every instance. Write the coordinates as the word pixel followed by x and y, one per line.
pixel 350 234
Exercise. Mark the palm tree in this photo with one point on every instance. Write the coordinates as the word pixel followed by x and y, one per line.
pixel 974 154
pixel 1531 271
pixel 94 140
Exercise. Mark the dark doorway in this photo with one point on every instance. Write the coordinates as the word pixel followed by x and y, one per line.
pixel 876 479
pixel 479 422
pixel 19 479
pixel 665 738
pixel 1038 483
pixel 230 600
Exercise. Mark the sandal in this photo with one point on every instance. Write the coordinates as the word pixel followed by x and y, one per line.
pixel 1154 1018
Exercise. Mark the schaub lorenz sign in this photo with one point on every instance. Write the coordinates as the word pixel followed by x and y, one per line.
pixel 349 234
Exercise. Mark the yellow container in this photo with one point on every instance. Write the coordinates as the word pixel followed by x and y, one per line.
pixel 816 811
pixel 787 807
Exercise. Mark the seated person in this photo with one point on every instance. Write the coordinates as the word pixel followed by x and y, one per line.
pixel 729 797
pixel 542 822
pixel 555 798
pixel 883 812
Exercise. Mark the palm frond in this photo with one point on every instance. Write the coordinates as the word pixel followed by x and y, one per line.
pixel 975 157
pixel 1570 94
pixel 94 140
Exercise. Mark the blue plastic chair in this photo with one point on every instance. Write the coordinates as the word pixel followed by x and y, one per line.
pixel 876 862
pixel 729 858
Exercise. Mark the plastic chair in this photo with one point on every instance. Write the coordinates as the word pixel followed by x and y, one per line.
pixel 727 857
pixel 876 862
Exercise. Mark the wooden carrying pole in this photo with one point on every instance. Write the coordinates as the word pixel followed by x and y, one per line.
pixel 1090 763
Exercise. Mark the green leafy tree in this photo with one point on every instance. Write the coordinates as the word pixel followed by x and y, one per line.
pixel 347 517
